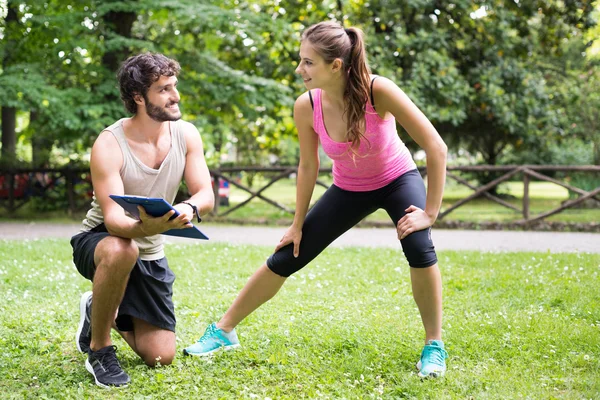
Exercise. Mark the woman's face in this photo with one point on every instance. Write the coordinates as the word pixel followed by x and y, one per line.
pixel 313 69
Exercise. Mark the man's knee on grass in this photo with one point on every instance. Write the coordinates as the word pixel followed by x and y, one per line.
pixel 157 354
pixel 154 345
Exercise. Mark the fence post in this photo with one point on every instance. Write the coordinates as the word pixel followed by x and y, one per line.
pixel 525 195
pixel 216 182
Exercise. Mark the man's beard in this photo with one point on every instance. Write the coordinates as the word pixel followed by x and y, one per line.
pixel 159 114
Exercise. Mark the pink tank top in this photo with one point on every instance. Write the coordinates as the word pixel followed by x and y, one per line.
pixel 381 156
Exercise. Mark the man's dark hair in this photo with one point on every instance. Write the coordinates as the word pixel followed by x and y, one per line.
pixel 138 73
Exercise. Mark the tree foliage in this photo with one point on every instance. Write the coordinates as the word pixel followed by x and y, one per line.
pixel 497 78
pixel 476 68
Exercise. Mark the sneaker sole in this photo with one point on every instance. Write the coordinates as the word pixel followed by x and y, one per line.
pixel 88 366
pixel 432 375
pixel 210 353
pixel 437 374
pixel 82 307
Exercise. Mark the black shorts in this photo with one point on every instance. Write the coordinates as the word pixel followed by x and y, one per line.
pixel 149 292
pixel 339 210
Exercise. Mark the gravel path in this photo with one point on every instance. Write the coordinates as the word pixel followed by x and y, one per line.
pixel 370 237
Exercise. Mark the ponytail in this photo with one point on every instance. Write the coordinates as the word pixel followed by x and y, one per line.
pixel 332 41
pixel 357 87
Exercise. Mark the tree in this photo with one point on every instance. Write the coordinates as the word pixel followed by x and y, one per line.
pixel 11 30
pixel 41 79
pixel 474 67
pixel 70 53
pixel 485 72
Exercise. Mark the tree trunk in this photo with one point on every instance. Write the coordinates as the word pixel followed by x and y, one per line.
pixel 119 22
pixel 9 136
pixel 9 114
pixel 596 145
pixel 41 146
pixel 340 7
pixel 490 155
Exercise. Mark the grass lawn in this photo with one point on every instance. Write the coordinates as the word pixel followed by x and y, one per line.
pixel 517 325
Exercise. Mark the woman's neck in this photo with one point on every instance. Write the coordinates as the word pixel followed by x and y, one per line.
pixel 335 91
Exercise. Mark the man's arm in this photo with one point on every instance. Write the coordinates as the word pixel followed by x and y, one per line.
pixel 105 164
pixel 196 176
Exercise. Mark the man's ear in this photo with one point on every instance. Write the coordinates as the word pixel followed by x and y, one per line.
pixel 139 99
pixel 337 65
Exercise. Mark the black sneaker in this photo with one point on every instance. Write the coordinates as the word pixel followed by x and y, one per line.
pixel 83 337
pixel 105 367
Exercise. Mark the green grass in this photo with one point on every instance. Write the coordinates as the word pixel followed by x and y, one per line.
pixel 517 325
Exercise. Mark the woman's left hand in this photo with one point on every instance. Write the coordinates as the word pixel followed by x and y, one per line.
pixel 414 220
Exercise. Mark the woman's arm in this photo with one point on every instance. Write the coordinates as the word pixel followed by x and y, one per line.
pixel 308 170
pixel 389 98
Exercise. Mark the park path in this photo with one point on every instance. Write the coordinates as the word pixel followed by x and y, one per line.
pixel 555 242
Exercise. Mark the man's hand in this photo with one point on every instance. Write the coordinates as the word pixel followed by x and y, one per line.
pixel 155 225
pixel 185 209
pixel 292 235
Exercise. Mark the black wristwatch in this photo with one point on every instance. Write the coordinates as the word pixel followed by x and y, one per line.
pixel 195 209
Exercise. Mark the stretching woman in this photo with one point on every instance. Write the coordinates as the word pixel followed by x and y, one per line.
pixel 353 114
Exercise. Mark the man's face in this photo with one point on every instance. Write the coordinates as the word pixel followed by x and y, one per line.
pixel 162 100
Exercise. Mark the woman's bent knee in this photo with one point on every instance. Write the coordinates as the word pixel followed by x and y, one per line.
pixel 419 250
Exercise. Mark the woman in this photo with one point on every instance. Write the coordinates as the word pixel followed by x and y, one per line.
pixel 353 114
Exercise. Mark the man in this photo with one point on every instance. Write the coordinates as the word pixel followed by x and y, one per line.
pixel 145 155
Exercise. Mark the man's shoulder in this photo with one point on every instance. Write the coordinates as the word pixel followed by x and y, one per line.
pixel 185 126
pixel 106 137
pixel 106 147
pixel 118 124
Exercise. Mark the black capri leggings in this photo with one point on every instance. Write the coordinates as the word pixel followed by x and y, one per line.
pixel 339 210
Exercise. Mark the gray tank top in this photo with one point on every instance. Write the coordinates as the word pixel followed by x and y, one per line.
pixel 141 180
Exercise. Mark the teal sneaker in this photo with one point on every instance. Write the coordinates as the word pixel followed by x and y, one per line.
pixel 433 360
pixel 214 339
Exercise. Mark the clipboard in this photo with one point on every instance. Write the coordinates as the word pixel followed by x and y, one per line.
pixel 156 207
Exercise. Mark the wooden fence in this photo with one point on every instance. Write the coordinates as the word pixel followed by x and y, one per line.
pixel 72 187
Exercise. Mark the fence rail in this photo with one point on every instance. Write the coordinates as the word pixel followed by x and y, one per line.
pixel 72 186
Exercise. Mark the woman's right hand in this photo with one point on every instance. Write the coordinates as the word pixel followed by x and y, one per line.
pixel 292 235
